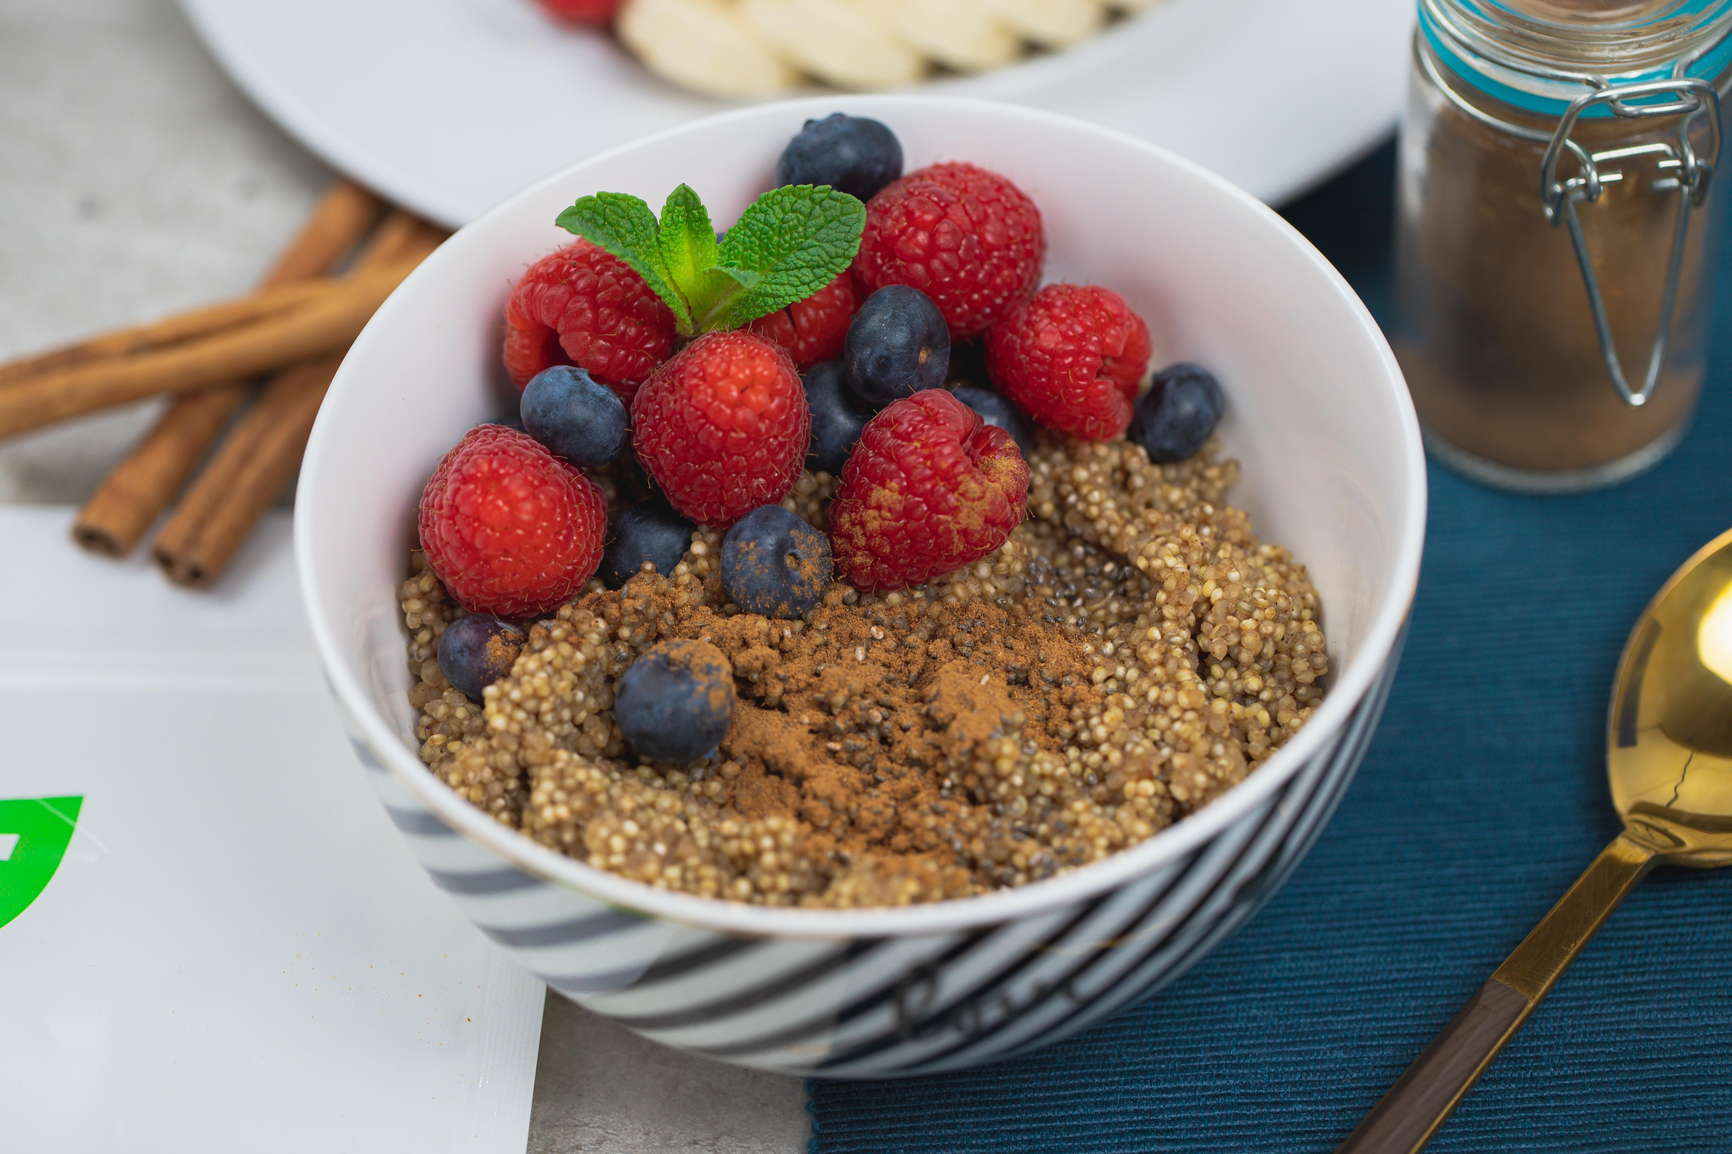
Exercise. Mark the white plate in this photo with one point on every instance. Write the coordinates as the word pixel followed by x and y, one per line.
pixel 448 106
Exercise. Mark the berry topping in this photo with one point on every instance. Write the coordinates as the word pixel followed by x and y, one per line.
pixel 631 484
pixel 1071 358
pixel 723 427
pixel 1178 413
pixel 1000 413
pixel 855 154
pixel 930 488
pixel 596 12
pixel 675 702
pixel 567 411
pixel 968 238
pixel 836 417
pixel 507 526
pixel 774 564
pixel 581 306
pixel 813 330
pixel 476 650
pixel 897 346
pixel 650 532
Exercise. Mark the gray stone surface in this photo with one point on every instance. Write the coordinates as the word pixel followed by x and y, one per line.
pixel 602 1088
pixel 135 181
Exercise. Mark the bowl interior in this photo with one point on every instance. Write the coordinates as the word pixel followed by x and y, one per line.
pixel 1316 408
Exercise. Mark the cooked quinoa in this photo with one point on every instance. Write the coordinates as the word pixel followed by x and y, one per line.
pixel 1129 654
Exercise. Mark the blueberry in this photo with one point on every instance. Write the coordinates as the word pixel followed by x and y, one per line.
pixel 648 532
pixel 836 417
pixel 675 702
pixel 1178 413
pixel 897 345
pixel 477 650
pixel 852 154
pixel 632 483
pixel 568 411
pixel 775 564
pixel 968 363
pixel 995 410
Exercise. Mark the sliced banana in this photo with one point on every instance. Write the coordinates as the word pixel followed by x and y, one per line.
pixel 706 45
pixel 1051 23
pixel 962 34
pixel 744 48
pixel 836 41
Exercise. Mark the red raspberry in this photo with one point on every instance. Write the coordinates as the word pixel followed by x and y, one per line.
pixel 581 11
pixel 968 238
pixel 508 527
pixel 723 427
pixel 1071 358
pixel 930 488
pixel 813 330
pixel 581 305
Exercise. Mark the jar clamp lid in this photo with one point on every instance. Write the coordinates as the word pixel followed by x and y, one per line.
pixel 1682 88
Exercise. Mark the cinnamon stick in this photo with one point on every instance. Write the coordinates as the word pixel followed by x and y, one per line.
pixel 262 452
pixel 143 484
pixel 282 326
pixel 176 331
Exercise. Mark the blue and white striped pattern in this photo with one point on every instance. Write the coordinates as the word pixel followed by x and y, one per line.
pixel 872 1007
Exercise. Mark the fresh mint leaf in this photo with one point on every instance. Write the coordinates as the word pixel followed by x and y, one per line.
pixel 716 292
pixel 688 240
pixel 790 243
pixel 625 227
pixel 743 277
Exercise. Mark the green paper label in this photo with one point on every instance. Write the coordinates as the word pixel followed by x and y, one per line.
pixel 34 834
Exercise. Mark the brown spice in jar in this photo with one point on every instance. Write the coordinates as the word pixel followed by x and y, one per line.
pixel 1496 336
pixel 1129 654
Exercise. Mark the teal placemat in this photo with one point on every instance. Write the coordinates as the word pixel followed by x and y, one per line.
pixel 1481 799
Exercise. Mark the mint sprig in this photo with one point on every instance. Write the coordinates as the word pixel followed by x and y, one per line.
pixel 686 236
pixel 787 245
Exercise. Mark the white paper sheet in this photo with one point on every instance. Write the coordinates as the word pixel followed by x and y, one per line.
pixel 236 953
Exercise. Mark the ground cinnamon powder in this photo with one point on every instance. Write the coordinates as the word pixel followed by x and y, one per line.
pixel 1131 652
pixel 1495 334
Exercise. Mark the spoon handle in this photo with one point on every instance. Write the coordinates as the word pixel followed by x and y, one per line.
pixel 1413 1109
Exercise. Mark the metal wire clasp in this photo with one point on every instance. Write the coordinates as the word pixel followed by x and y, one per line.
pixel 1688 99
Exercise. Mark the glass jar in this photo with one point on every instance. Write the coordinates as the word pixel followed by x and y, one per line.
pixel 1554 240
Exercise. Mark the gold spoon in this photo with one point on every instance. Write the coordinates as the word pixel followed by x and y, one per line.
pixel 1669 754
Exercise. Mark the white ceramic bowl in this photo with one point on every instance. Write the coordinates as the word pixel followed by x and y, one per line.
pixel 1318 413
